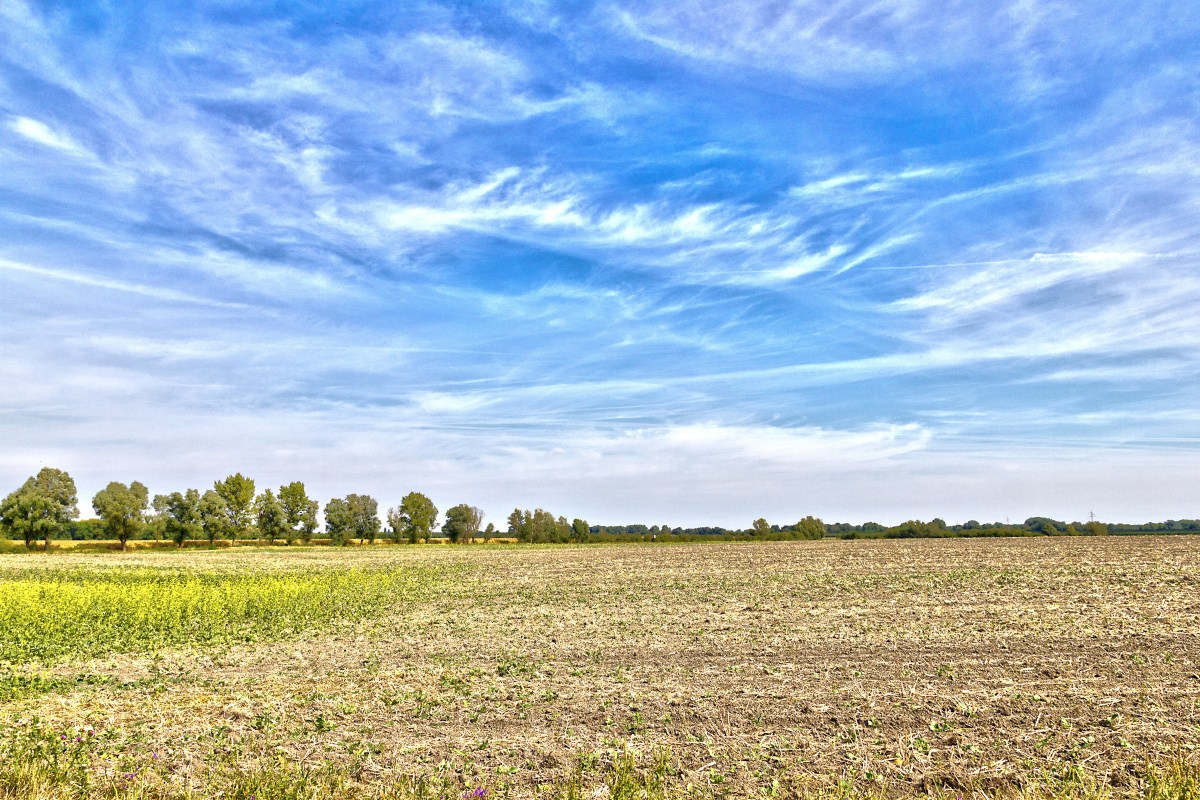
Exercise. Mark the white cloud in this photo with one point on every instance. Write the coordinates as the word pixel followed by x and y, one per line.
pixel 113 284
pixel 42 134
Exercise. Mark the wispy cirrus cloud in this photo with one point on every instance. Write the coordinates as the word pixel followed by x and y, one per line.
pixel 596 247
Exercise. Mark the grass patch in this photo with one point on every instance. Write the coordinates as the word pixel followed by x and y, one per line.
pixel 14 685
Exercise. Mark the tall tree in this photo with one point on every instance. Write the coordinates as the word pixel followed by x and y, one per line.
pixel 156 518
pixel 414 518
pixel 299 511
pixel 760 527
pixel 339 520
pixel 181 514
pixel 122 508
pixel 43 504
pixel 579 530
pixel 518 525
pixel 395 521
pixel 214 516
pixel 538 526
pixel 477 516
pixel 462 522
pixel 810 528
pixel 238 493
pixel 364 517
pixel 270 516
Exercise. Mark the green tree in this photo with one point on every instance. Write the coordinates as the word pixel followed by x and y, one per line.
pixel 238 493
pixel 414 518
pixel 339 520
pixel 541 526
pixel 271 518
pixel 395 522
pixel 462 522
pixel 214 516
pixel 1095 528
pixel 518 525
pixel 760 528
pixel 41 507
pixel 181 514
pixel 477 516
pixel 156 520
pixel 300 513
pixel 122 508
pixel 579 530
pixel 364 517
pixel 810 528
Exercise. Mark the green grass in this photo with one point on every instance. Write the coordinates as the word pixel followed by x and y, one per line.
pixel 68 612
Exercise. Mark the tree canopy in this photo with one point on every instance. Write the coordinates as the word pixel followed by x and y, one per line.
pixel 122 508
pixel 238 493
pixel 414 518
pixel 462 522
pixel 300 513
pixel 39 509
pixel 270 517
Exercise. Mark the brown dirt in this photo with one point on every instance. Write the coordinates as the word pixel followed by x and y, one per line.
pixel 909 666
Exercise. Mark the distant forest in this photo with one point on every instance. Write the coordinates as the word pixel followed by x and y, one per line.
pixel 92 529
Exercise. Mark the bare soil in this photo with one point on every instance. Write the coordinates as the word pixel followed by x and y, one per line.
pixel 907 667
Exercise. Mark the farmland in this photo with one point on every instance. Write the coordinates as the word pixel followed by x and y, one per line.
pixel 1030 667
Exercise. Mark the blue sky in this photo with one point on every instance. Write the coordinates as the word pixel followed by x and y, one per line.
pixel 685 263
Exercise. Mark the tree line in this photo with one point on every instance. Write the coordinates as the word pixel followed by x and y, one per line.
pixel 46 506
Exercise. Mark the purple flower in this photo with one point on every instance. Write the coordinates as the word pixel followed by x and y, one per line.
pixel 478 791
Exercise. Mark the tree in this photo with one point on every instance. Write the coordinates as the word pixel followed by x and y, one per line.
pixel 271 518
pixel 489 532
pixel 156 520
pixel 579 530
pixel 214 516
pixel 181 514
pixel 122 508
pixel 518 525
pixel 760 527
pixel 477 516
pixel 1095 528
pixel 364 518
pixel 395 521
pixel 300 513
pixel 810 528
pixel 462 522
pixel 238 493
pixel 39 509
pixel 414 518
pixel 538 526
pixel 339 520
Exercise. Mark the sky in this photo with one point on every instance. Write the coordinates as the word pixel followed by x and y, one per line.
pixel 662 263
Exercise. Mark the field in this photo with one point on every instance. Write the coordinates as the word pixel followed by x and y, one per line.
pixel 1032 668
